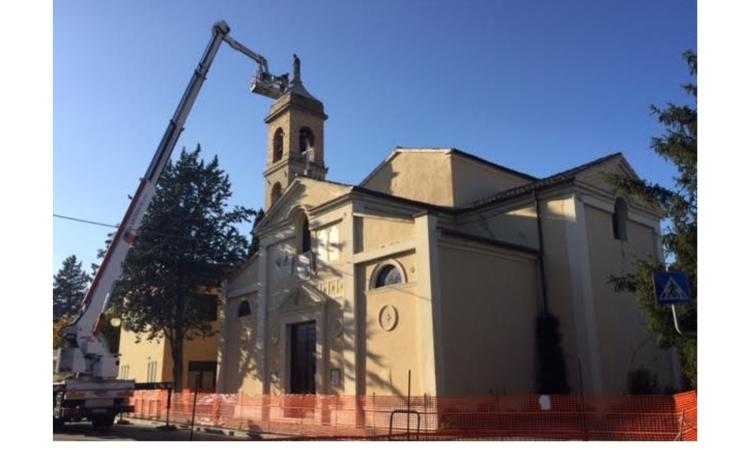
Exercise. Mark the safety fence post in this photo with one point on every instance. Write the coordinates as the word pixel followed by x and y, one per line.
pixel 169 403
pixel 192 421
pixel 408 405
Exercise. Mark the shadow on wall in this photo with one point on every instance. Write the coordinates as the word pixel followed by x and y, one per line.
pixel 248 360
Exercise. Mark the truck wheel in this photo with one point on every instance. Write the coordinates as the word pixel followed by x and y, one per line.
pixel 103 421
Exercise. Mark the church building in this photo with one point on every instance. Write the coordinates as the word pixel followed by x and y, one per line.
pixel 431 275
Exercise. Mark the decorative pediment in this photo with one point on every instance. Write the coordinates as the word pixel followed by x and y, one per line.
pixel 304 193
pixel 598 177
pixel 302 297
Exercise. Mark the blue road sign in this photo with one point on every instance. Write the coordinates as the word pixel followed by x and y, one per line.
pixel 671 288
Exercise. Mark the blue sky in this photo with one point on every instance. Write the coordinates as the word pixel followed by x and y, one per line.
pixel 538 86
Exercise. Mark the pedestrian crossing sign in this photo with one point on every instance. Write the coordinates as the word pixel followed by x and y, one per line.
pixel 671 288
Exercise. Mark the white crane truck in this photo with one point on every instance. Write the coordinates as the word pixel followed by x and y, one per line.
pixel 89 389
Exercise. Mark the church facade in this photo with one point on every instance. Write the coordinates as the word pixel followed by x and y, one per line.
pixel 431 274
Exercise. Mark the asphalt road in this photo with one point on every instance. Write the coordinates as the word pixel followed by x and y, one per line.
pixel 135 432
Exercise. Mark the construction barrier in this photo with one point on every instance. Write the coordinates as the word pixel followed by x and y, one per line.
pixel 525 417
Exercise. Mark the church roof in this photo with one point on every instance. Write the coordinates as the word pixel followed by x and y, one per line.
pixel 446 150
pixel 539 183
pixel 298 89
pixel 551 180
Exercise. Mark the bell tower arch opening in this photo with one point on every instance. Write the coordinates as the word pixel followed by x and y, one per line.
pixel 306 140
pixel 275 193
pixel 295 138
pixel 278 145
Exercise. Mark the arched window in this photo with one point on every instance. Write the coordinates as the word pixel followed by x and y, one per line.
pixel 620 219
pixel 275 193
pixel 278 144
pixel 388 275
pixel 244 309
pixel 306 139
pixel 305 235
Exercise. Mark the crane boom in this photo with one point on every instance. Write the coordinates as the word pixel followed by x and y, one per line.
pixel 86 353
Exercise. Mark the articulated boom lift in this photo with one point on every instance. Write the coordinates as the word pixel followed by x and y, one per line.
pixel 90 389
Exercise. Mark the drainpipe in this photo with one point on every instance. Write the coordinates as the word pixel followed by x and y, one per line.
pixel 541 253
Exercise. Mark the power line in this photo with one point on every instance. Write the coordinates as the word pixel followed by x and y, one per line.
pixel 101 224
pixel 75 219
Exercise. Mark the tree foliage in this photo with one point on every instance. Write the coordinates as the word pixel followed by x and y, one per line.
pixel 551 375
pixel 186 243
pixel 69 286
pixel 679 206
pixel 57 327
pixel 255 243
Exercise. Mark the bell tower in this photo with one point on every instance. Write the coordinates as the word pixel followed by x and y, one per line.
pixel 295 138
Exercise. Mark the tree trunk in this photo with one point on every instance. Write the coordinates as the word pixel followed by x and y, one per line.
pixel 177 363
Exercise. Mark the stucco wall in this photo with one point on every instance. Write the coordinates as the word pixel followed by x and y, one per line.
pixel 375 233
pixel 473 181
pixel 624 343
pixel 422 176
pixel 391 353
pixel 240 358
pixel 138 355
pixel 489 299
pixel 516 226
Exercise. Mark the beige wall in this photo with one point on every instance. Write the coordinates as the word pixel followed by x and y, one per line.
pixel 624 343
pixel 375 233
pixel 421 176
pixel 440 177
pixel 516 225
pixel 391 353
pixel 473 181
pixel 239 360
pixel 137 355
pixel 489 303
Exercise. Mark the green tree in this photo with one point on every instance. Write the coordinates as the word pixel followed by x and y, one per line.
pixel 255 243
pixel 69 286
pixel 57 327
pixel 679 206
pixel 186 243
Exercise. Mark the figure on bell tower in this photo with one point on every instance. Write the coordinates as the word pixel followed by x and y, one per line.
pixel 295 138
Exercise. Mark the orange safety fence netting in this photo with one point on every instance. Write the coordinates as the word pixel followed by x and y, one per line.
pixel 523 417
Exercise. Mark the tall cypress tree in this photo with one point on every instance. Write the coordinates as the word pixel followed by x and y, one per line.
pixel 187 242
pixel 679 206
pixel 69 287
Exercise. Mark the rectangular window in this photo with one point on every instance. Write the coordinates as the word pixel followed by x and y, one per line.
pixel 151 372
pixel 202 375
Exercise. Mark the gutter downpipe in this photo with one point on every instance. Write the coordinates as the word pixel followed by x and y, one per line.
pixel 541 253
